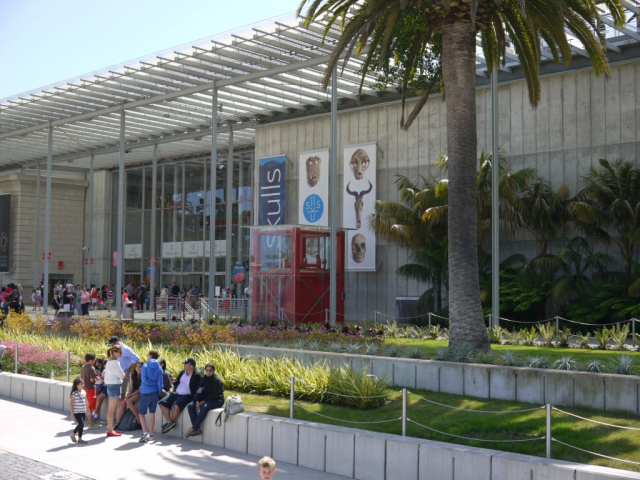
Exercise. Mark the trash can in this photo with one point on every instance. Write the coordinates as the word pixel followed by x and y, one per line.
pixel 127 311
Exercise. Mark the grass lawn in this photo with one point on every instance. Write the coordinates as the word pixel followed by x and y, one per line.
pixel 430 348
pixel 614 442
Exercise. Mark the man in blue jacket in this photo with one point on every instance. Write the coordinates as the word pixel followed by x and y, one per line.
pixel 150 388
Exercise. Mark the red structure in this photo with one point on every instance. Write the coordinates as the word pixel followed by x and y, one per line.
pixel 290 274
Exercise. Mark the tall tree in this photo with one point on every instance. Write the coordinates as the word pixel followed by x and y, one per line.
pixel 410 31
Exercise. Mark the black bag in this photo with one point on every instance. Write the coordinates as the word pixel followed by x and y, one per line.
pixel 128 423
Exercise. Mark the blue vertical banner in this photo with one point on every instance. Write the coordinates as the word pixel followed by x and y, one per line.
pixel 271 190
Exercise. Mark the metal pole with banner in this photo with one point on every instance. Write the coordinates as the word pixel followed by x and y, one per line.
pixel 313 187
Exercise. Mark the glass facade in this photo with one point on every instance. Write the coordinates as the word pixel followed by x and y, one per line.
pixel 183 215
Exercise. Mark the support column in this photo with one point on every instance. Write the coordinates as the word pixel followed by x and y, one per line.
pixel 333 198
pixel 89 250
pixel 120 220
pixel 240 182
pixel 152 263
pixel 36 276
pixel 204 226
pixel 47 222
pixel 495 199
pixel 212 202
pixel 229 222
pixel 174 225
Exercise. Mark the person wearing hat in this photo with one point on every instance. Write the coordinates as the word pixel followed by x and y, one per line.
pixel 126 361
pixel 185 387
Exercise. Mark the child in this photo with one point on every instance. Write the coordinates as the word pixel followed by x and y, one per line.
pixel 89 375
pixel 78 408
pixel 113 377
pixel 101 388
pixel 266 468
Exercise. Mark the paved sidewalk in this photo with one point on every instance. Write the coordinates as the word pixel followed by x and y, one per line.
pixel 42 436
pixel 15 467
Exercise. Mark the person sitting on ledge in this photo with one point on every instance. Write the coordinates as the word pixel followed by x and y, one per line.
pixel 186 386
pixel 210 396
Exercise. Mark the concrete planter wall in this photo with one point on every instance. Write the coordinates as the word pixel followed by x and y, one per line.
pixel 605 392
pixel 342 451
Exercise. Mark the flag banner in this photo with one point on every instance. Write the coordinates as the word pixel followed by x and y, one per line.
pixel 359 198
pixel 313 188
pixel 271 190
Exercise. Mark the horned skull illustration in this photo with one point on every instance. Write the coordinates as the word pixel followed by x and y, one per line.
pixel 313 170
pixel 358 248
pixel 359 202
pixel 359 163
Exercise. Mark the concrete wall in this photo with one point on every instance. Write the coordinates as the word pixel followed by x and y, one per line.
pixel 344 451
pixel 580 119
pixel 67 226
pixel 538 386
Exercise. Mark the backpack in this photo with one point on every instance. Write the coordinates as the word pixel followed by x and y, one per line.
pixel 233 406
pixel 129 423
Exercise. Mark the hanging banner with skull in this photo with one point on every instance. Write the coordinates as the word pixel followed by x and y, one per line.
pixel 359 198
pixel 313 188
pixel 271 190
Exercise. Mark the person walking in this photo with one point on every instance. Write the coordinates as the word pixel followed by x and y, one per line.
pixel 113 378
pixel 56 304
pixel 78 408
pixel 150 389
pixel 85 300
pixel 142 297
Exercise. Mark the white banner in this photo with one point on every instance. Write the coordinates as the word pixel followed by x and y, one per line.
pixel 313 188
pixel 172 250
pixel 192 249
pixel 220 248
pixel 359 198
pixel 133 250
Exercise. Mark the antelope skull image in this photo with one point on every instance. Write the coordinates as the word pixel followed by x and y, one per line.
pixel 359 202
pixel 358 247
pixel 313 170
pixel 359 163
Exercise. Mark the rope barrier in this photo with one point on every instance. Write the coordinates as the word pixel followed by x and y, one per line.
pixel 470 439
pixel 413 316
pixel 527 322
pixel 594 453
pixel 347 421
pixel 475 411
pixel 594 324
pixel 596 421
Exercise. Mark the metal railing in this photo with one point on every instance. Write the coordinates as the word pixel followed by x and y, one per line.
pixel 198 309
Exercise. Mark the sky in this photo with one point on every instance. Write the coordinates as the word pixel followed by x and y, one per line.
pixel 48 41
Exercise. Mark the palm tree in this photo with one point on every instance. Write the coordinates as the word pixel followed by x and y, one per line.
pixel 410 31
pixel 610 199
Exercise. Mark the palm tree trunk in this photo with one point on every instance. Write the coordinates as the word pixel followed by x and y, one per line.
pixel 466 325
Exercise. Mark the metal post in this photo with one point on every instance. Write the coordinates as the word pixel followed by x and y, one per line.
pixel 53 375
pixel 229 212
pixel 292 396
pixel 333 198
pixel 557 323
pixel 375 317
pixel 89 250
pixel 212 201
pixel 548 431
pixel 16 354
pixel 429 319
pixel 404 412
pixel 47 223
pixel 633 331
pixel 240 237
pixel 36 277
pixel 154 192
pixel 120 221
pixel 495 199
pixel 204 230
pixel 68 363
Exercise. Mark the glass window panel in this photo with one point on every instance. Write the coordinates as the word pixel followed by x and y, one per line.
pixel 133 200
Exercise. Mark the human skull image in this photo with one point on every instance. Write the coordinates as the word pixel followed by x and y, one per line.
pixel 359 163
pixel 313 170
pixel 311 246
pixel 358 247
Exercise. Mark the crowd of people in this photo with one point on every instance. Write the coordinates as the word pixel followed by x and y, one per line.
pixel 133 387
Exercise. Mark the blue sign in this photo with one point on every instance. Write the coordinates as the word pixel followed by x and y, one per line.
pixel 313 208
pixel 271 190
